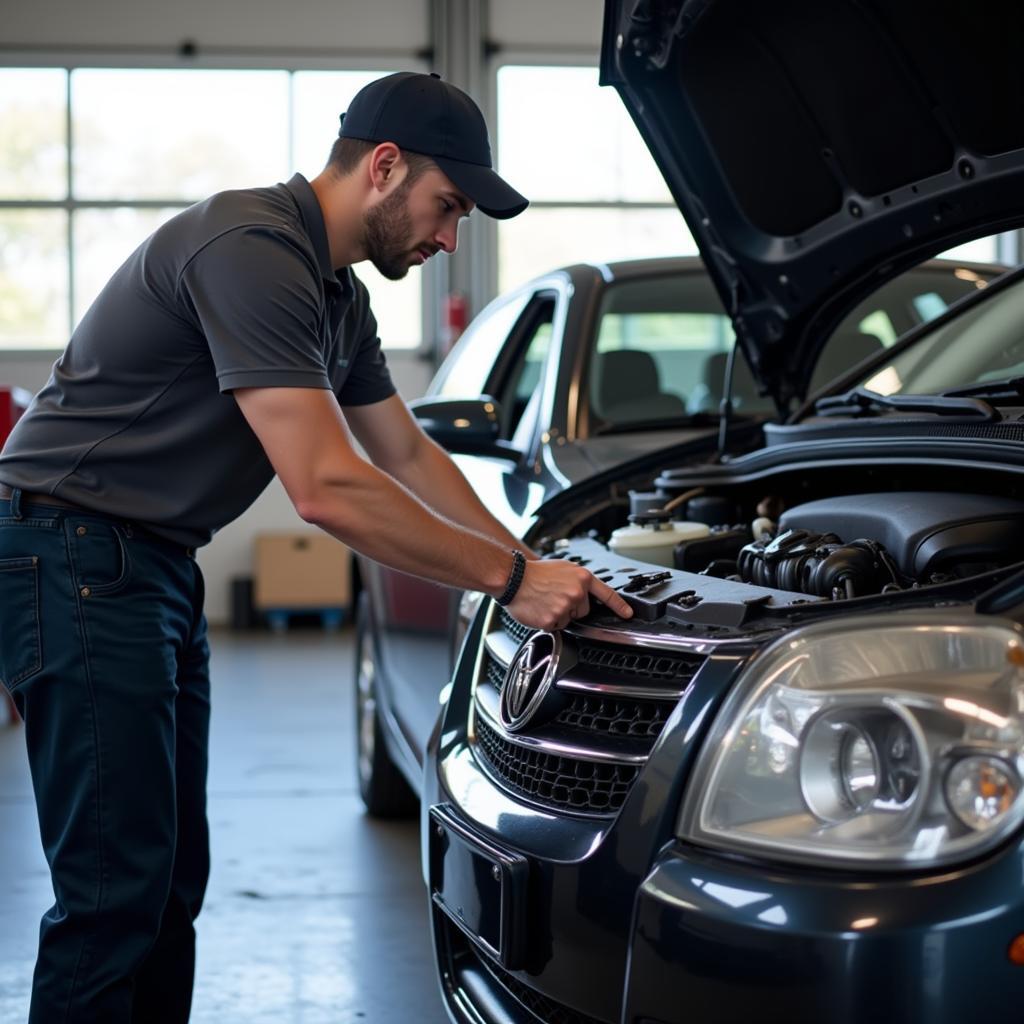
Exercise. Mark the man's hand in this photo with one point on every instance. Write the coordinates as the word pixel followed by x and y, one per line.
pixel 553 593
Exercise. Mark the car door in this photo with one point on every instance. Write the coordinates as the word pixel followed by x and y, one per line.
pixel 503 353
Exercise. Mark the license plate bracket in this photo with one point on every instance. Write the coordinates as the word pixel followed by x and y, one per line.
pixel 481 887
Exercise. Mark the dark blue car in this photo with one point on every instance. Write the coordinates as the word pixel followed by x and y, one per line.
pixel 584 368
pixel 791 788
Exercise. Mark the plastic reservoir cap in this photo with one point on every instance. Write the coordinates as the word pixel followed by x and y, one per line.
pixel 655 542
pixel 657 534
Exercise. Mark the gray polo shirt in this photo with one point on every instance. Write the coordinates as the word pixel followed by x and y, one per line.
pixel 137 419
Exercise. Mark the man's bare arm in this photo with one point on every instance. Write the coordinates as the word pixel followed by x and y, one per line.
pixel 303 432
pixel 397 444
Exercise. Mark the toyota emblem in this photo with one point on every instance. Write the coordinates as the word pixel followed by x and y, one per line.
pixel 529 678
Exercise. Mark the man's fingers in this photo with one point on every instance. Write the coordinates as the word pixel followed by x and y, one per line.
pixel 609 598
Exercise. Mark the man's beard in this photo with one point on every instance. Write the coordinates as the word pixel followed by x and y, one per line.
pixel 387 234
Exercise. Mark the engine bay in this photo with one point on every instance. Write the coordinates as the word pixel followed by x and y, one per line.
pixel 721 558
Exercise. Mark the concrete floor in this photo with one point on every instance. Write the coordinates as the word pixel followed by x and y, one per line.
pixel 315 914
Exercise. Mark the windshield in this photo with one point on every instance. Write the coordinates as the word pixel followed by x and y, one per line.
pixel 985 343
pixel 662 343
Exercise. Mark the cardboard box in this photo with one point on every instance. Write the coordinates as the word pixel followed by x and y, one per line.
pixel 303 569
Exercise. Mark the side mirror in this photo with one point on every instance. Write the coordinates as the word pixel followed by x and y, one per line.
pixel 464 426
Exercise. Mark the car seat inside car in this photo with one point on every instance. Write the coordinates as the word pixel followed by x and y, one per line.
pixel 627 389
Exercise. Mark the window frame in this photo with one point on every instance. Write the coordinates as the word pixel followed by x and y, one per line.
pixel 560 58
pixel 69 61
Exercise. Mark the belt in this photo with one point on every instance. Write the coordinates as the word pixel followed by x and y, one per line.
pixel 30 498
pixel 34 498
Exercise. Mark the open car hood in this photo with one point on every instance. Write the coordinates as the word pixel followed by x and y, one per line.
pixel 817 148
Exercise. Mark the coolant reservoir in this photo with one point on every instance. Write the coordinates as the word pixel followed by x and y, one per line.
pixel 654 542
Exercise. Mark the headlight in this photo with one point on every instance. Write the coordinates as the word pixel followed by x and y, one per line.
pixel 888 742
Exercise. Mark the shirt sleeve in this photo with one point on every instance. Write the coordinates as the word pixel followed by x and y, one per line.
pixel 368 379
pixel 256 297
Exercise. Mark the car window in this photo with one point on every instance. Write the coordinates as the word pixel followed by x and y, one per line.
pixel 984 343
pixel 465 371
pixel 523 376
pixel 905 302
pixel 657 344
pixel 879 324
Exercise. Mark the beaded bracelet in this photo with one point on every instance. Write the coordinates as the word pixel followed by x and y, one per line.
pixel 515 578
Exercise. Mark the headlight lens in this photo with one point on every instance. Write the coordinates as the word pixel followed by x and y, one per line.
pixel 891 742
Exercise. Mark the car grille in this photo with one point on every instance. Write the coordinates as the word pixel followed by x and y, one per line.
pixel 615 702
pixel 539 1005
pixel 566 783
pixel 476 974
pixel 616 717
pixel 514 629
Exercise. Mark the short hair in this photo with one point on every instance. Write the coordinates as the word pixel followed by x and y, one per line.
pixel 346 154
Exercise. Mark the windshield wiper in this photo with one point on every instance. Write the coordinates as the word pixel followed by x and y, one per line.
pixel 1007 388
pixel 861 402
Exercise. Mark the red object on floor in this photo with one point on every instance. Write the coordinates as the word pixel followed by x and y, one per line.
pixel 13 402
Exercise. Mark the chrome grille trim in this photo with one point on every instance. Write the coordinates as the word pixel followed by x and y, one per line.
pixel 501 646
pixel 487 704
pixel 501 649
pixel 689 645
pixel 613 690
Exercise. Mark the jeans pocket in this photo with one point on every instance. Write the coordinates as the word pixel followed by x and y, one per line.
pixel 21 649
pixel 99 554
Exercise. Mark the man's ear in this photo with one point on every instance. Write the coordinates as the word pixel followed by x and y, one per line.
pixel 385 161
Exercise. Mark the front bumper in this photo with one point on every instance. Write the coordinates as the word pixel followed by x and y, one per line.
pixel 721 942
pixel 704 940
pixel 624 923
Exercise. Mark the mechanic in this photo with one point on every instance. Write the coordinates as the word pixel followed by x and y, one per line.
pixel 235 343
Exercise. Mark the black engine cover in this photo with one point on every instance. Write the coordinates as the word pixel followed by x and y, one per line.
pixel 923 531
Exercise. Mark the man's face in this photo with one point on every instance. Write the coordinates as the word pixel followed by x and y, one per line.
pixel 413 222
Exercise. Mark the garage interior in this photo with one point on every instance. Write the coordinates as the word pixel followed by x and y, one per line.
pixel 315 913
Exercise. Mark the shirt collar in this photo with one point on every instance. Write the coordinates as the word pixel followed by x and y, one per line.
pixel 313 219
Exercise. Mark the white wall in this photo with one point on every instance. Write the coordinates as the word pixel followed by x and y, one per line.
pixel 271 25
pixel 316 25
pixel 546 25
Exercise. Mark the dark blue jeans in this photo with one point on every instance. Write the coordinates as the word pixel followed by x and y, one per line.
pixel 103 646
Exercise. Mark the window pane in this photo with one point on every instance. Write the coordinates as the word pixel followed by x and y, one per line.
pixel 397 305
pixel 318 99
pixel 104 239
pixel 33 278
pixel 464 373
pixel 554 110
pixel 541 240
pixel 33 146
pixel 177 134
pixel 982 250
pixel 662 346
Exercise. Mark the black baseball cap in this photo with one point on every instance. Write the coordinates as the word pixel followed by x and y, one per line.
pixel 421 113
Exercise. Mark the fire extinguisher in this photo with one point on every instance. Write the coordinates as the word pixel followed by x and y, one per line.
pixel 454 316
